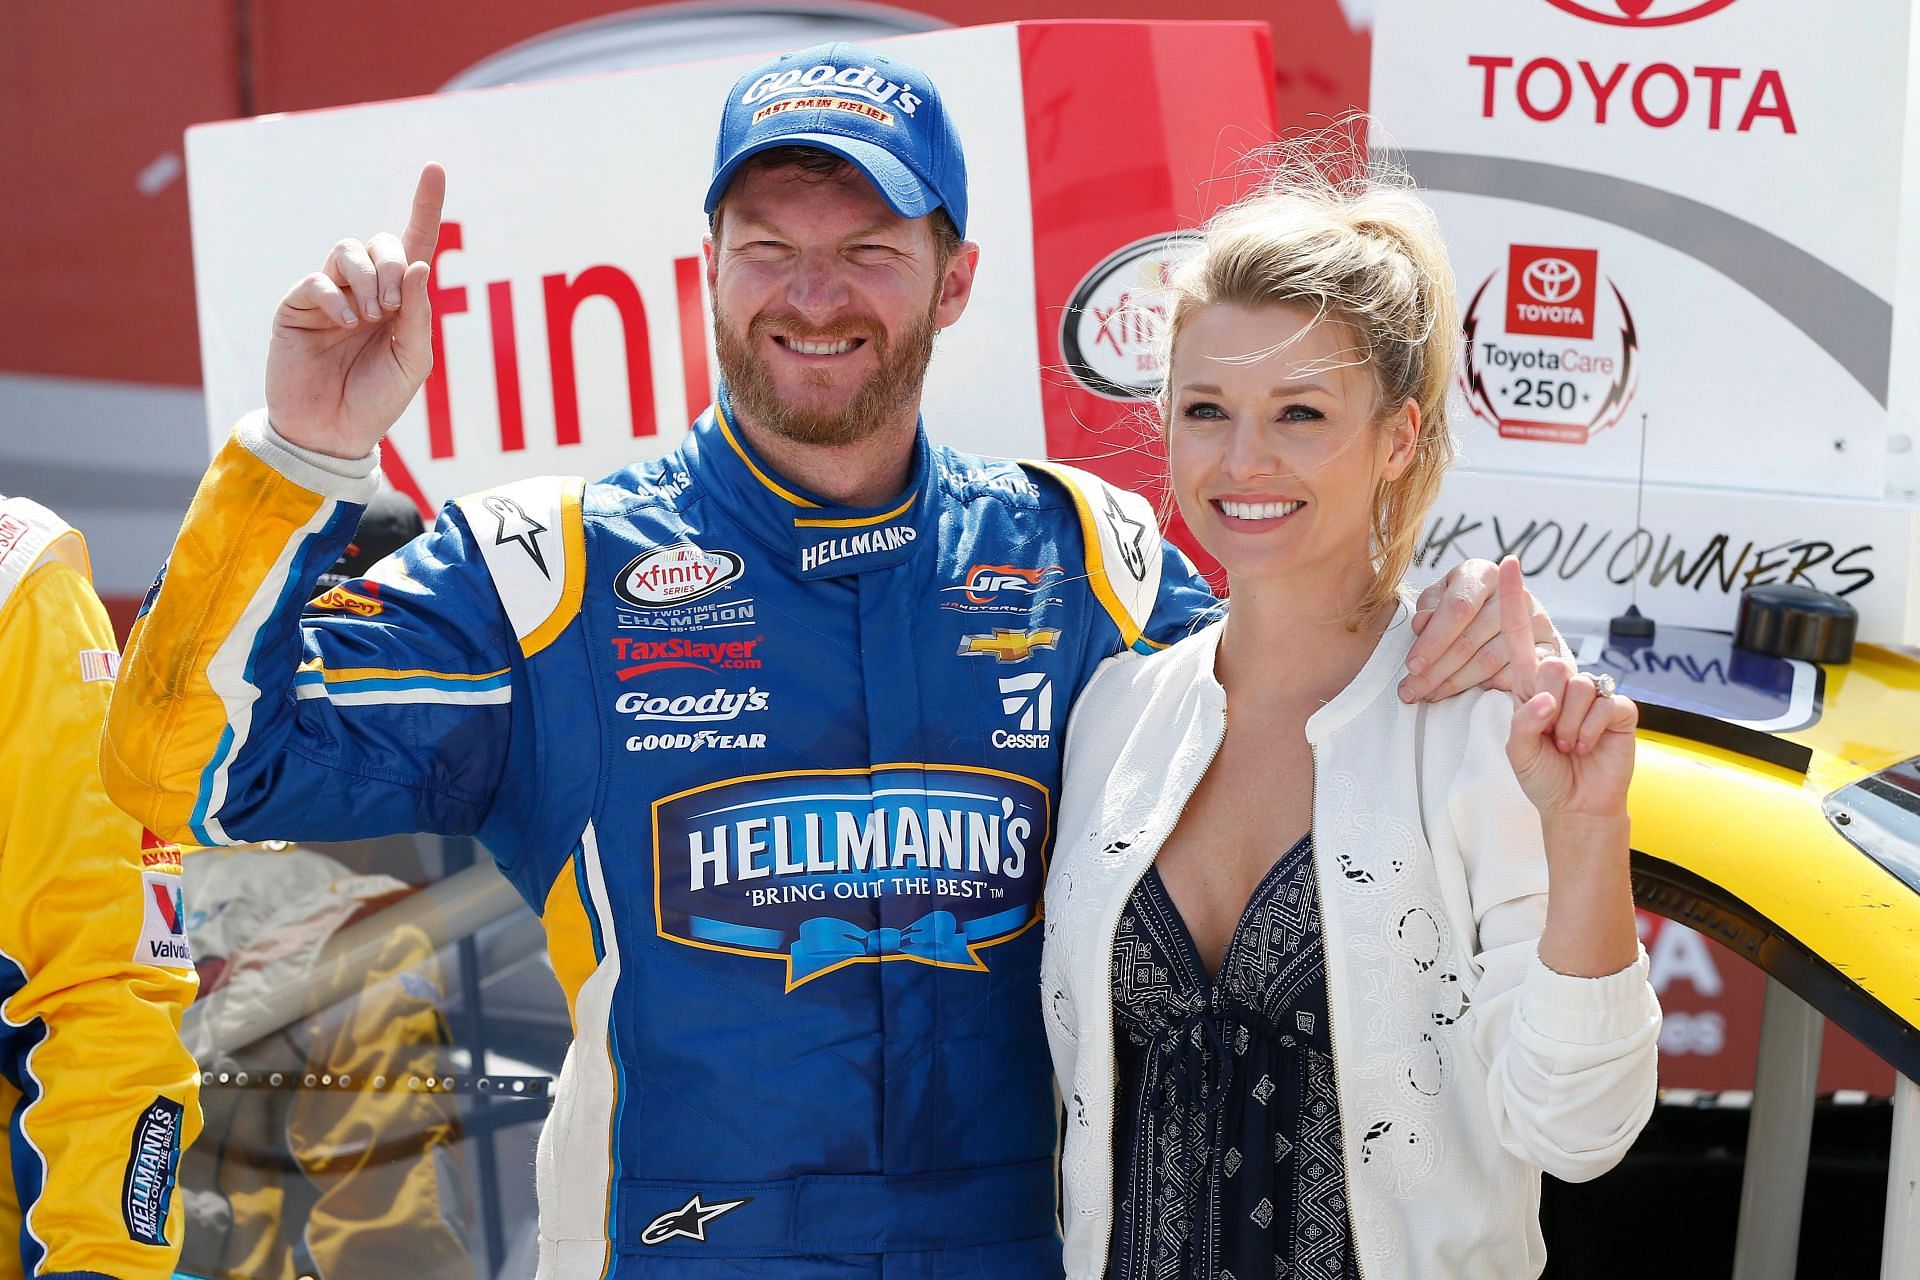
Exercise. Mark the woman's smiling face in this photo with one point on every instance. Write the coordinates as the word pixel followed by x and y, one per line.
pixel 1276 444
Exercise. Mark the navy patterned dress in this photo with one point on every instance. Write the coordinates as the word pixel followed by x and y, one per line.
pixel 1227 1142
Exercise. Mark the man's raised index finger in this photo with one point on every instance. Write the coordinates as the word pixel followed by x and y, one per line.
pixel 423 224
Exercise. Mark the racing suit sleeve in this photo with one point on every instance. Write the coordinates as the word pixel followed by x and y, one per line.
pixel 384 706
pixel 99 1095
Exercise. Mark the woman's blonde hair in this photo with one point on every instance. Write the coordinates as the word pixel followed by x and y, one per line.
pixel 1353 243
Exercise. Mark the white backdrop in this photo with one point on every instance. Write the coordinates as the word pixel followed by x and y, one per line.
pixel 551 179
pixel 1709 195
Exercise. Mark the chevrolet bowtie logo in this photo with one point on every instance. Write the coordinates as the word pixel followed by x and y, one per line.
pixel 1010 646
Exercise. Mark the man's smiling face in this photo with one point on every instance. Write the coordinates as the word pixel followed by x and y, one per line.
pixel 825 302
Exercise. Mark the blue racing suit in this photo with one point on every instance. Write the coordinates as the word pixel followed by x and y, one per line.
pixel 779 777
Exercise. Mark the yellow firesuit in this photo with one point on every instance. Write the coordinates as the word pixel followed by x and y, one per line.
pixel 97 1093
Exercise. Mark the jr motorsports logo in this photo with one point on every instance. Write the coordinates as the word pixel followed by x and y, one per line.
pixel 1003 588
pixel 820 870
pixel 1641 13
pixel 1110 335
pixel 1551 352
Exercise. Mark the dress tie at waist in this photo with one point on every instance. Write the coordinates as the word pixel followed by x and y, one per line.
pixel 1197 1067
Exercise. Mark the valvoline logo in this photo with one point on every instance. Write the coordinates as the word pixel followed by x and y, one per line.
pixel 1641 13
pixel 172 907
pixel 163 937
pixel 825 869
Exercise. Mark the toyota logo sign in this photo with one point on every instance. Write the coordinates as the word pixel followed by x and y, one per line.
pixel 1640 13
pixel 1551 279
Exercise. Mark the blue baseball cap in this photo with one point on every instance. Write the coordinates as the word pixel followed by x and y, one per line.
pixel 880 114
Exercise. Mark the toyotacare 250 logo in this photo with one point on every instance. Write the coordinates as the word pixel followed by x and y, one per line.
pixel 1641 13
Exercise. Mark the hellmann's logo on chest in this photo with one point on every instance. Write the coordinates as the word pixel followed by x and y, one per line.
pixel 821 870
pixel 849 546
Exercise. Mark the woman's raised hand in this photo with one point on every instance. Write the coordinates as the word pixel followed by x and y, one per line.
pixel 1571 748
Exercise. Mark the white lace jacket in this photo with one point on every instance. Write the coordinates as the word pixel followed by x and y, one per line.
pixel 1464 1065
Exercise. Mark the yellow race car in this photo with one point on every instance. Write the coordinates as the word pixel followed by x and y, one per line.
pixel 1776 810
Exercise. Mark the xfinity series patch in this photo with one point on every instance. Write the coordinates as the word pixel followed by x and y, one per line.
pixel 163 938
pixel 821 870
pixel 151 1163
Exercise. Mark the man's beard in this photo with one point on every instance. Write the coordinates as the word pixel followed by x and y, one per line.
pixel 889 390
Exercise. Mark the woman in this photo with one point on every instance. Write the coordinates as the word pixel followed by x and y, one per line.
pixel 1329 978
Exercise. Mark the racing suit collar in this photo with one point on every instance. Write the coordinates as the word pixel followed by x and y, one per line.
pixel 822 539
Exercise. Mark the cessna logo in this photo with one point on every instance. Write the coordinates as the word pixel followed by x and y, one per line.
pixel 1006 645
pixel 1027 700
pixel 689 1221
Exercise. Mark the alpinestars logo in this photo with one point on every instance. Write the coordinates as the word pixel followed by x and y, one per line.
pixel 689 1221
pixel 1128 534
pixel 515 525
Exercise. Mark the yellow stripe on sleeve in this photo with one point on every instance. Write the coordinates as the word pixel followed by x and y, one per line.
pixel 228 566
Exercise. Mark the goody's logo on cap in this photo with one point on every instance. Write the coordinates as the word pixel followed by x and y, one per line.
pixel 880 114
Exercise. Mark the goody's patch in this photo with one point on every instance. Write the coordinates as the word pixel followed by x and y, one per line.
pixel 153 1158
pixel 821 870
pixel 163 936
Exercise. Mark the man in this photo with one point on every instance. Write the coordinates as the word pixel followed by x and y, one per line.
pixel 97 1094
pixel 768 730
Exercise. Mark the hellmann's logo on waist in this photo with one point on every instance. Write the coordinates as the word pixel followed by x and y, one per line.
pixel 888 538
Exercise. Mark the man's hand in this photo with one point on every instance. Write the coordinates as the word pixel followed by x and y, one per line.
pixel 1457 620
pixel 352 342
